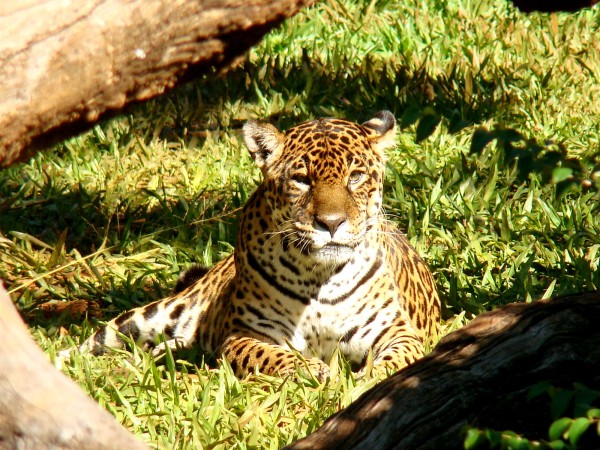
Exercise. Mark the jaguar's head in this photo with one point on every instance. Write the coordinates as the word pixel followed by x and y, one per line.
pixel 325 180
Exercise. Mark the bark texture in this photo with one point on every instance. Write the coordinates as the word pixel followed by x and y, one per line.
pixel 67 64
pixel 40 408
pixel 479 375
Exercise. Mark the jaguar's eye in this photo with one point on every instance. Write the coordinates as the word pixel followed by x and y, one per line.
pixel 301 179
pixel 355 177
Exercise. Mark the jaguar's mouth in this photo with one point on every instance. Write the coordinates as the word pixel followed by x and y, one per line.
pixel 322 248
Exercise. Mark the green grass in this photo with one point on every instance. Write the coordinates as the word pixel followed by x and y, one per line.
pixel 114 215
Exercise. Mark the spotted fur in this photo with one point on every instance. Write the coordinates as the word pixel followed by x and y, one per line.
pixel 317 267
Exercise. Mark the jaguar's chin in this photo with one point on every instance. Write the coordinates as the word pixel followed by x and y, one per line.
pixel 333 254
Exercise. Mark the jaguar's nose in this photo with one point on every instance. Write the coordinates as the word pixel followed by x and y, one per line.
pixel 329 222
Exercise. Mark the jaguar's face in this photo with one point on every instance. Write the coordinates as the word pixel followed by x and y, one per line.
pixel 327 178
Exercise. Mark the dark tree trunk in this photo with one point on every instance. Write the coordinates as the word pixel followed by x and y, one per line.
pixel 479 375
pixel 553 5
pixel 65 65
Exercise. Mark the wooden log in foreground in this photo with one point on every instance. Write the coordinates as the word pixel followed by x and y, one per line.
pixel 479 375
pixel 67 64
pixel 40 408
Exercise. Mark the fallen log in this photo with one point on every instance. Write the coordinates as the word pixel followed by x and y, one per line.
pixel 40 408
pixel 66 65
pixel 479 375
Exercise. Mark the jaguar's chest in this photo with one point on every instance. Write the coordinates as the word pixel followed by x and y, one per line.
pixel 315 314
pixel 322 328
pixel 351 323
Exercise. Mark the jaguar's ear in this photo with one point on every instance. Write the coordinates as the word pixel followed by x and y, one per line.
pixel 264 141
pixel 381 130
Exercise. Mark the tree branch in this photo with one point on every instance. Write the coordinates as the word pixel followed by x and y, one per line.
pixel 66 65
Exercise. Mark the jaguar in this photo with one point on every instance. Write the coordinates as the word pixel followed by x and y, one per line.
pixel 317 266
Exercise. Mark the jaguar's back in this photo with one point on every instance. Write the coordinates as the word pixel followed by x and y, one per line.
pixel 316 266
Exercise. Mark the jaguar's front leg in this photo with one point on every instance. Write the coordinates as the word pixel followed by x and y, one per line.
pixel 397 347
pixel 245 354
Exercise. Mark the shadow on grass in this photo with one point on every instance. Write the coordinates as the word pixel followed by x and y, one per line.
pixel 308 90
pixel 304 91
pixel 46 231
